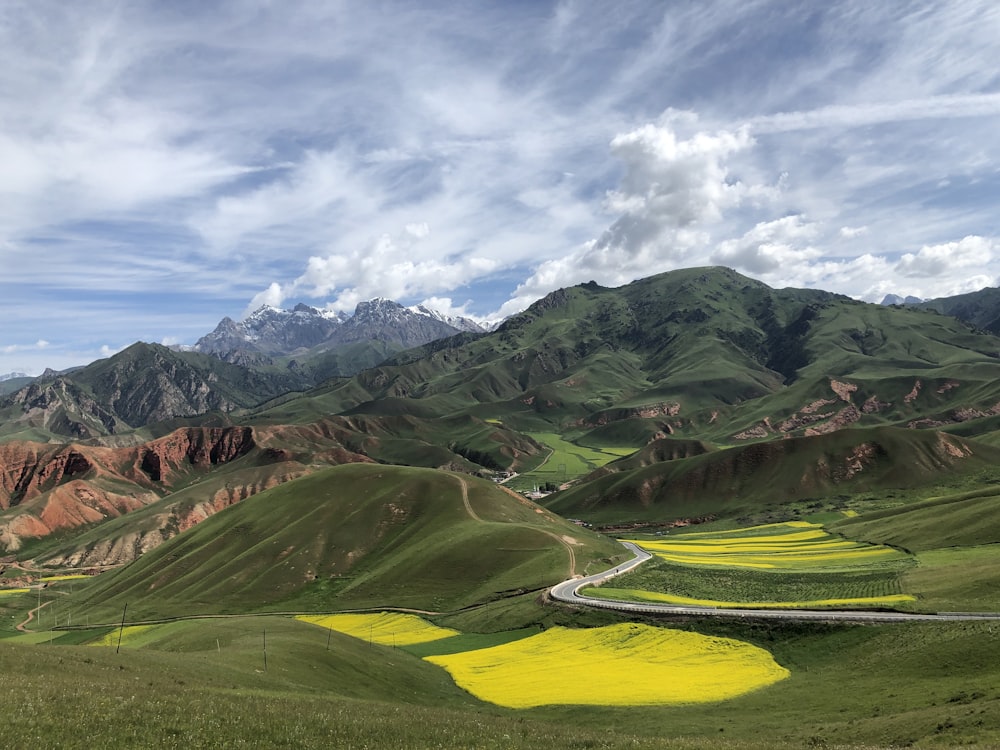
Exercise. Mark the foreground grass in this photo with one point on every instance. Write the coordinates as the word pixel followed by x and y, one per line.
pixel 204 684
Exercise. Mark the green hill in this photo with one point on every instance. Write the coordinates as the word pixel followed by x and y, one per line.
pixel 703 353
pixel 362 535
pixel 757 478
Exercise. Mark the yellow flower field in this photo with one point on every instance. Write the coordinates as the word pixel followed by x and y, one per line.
pixel 795 544
pixel 890 600
pixel 619 665
pixel 10 592
pixel 128 635
pixel 384 628
pixel 66 577
pixel 752 530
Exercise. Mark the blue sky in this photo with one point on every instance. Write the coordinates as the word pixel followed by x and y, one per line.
pixel 168 164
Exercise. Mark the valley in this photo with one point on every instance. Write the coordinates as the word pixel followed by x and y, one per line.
pixel 355 562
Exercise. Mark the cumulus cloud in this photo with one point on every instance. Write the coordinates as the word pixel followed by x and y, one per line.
pixel 944 259
pixel 850 233
pixel 273 296
pixel 770 247
pixel 446 306
pixel 388 267
pixel 673 189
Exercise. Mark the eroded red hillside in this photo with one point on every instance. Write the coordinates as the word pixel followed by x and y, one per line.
pixel 46 488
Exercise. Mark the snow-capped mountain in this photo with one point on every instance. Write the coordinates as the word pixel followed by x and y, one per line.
pixel 462 324
pixel 271 331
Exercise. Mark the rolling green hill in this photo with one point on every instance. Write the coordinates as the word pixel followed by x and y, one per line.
pixel 703 353
pixel 758 478
pixel 362 535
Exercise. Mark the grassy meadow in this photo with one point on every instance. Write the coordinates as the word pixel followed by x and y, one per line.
pixel 565 462
pixel 273 681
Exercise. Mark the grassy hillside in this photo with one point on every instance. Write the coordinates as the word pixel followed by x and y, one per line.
pixel 354 536
pixel 203 684
pixel 754 480
pixel 703 353
pixel 956 538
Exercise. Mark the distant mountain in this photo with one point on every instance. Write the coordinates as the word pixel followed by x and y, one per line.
pixel 272 331
pixel 143 384
pixel 304 330
pixel 979 309
pixel 13 381
pixel 701 353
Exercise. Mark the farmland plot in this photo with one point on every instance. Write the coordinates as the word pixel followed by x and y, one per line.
pixel 794 564
pixel 619 665
pixel 383 628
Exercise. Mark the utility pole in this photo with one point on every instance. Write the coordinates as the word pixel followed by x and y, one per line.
pixel 122 628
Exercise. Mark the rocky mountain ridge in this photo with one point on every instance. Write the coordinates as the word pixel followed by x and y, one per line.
pixel 276 332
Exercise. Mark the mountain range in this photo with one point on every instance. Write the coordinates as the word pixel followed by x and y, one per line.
pixel 816 391
pixel 304 329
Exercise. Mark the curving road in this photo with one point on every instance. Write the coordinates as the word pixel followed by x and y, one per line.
pixel 568 592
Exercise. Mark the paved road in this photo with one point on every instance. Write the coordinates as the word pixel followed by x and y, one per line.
pixel 567 591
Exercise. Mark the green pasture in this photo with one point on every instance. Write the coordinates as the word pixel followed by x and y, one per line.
pixel 204 683
pixel 566 461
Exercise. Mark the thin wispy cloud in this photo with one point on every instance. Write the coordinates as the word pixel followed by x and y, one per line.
pixel 167 165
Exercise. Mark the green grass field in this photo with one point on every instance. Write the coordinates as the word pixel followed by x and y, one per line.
pixel 566 462
pixel 203 683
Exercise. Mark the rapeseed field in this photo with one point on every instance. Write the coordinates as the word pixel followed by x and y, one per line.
pixel 796 564
pixel 619 665
pixel 795 544
pixel 128 635
pixel 384 628
pixel 638 595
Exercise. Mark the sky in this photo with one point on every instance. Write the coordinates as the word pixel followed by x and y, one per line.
pixel 163 165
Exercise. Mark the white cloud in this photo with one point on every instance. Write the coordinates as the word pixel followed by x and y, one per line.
pixel 672 191
pixel 874 113
pixel 948 258
pixel 446 306
pixel 14 348
pixel 273 296
pixel 851 233
pixel 773 246
pixel 388 267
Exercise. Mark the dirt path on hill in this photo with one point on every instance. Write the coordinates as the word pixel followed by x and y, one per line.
pixel 465 499
pixel 31 616
pixel 475 517
pixel 567 546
